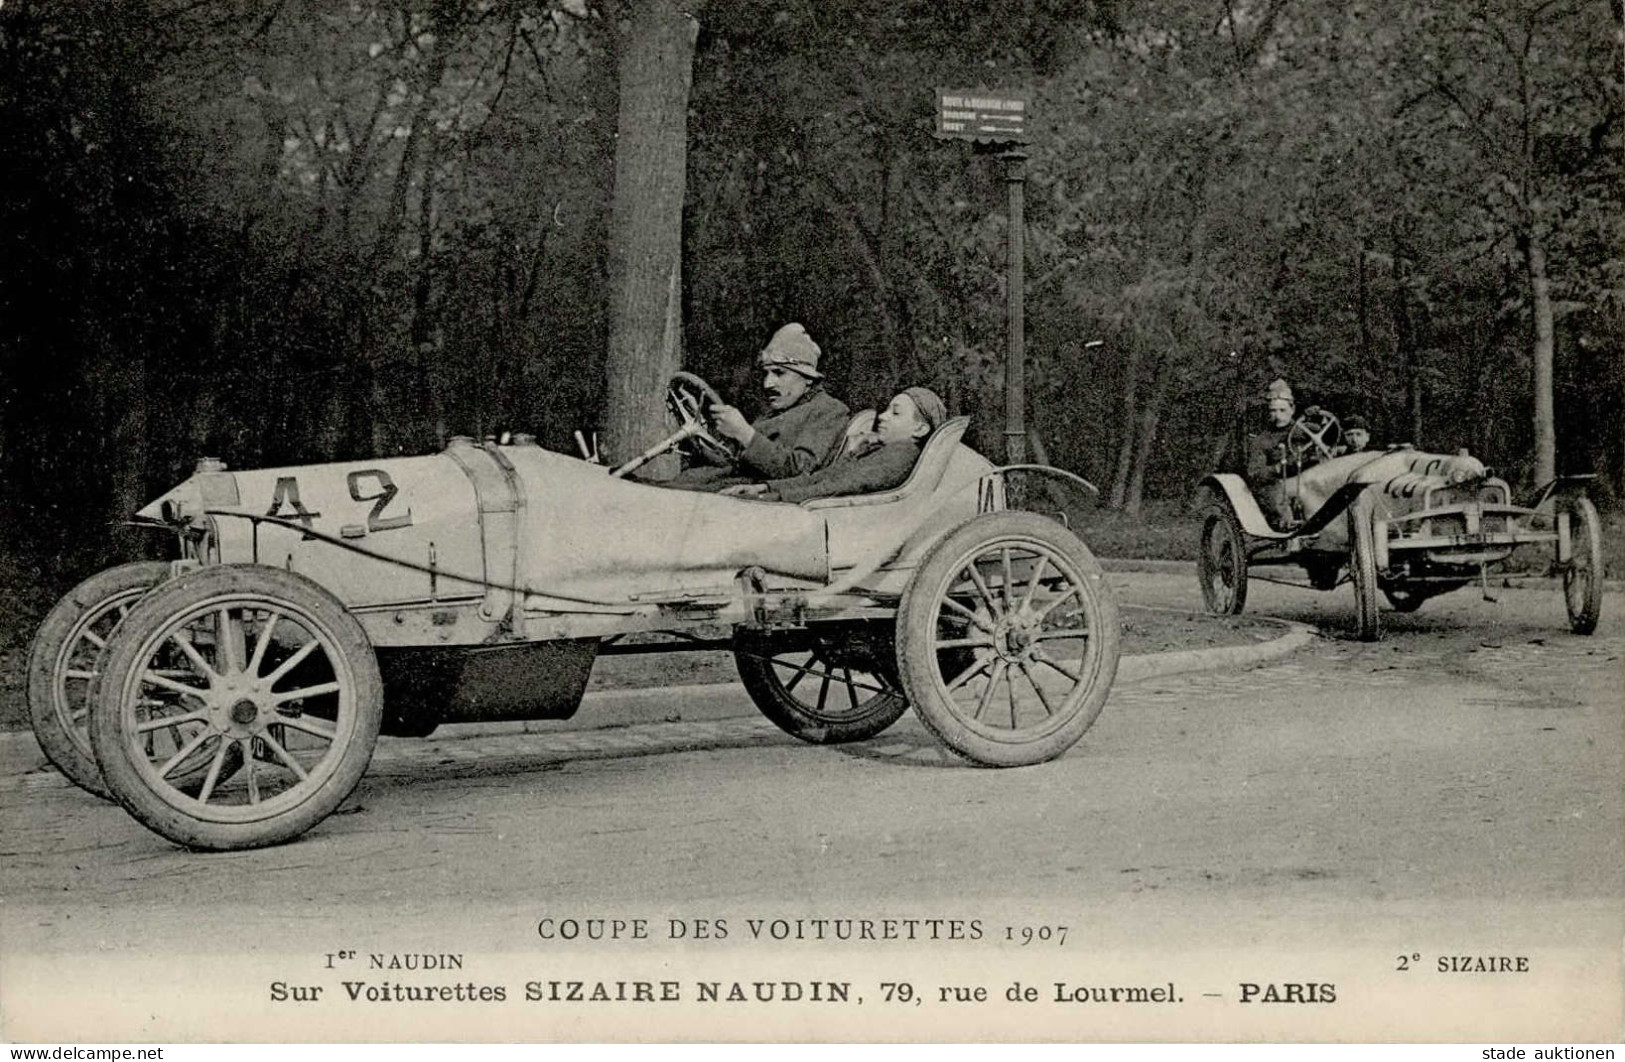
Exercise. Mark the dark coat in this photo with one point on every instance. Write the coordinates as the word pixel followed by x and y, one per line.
pixel 1263 456
pixel 787 443
pixel 874 466
pixel 795 440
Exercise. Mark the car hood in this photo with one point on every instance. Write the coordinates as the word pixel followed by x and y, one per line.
pixel 1402 476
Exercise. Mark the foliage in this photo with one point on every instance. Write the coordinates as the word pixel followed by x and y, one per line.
pixel 304 231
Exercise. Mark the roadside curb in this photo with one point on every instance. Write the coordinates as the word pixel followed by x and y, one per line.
pixel 614 709
pixel 1157 665
pixel 1165 567
pixel 1188 567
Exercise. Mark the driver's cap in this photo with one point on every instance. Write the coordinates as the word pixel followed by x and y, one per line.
pixel 1278 388
pixel 792 348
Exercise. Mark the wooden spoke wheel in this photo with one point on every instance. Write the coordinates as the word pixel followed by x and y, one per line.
pixel 1029 604
pixel 1582 576
pixel 65 660
pixel 264 679
pixel 826 687
pixel 1363 569
pixel 1221 563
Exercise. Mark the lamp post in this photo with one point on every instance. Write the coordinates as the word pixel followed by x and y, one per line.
pixel 1015 359
pixel 997 119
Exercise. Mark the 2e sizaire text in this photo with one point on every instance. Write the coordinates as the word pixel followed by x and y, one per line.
pixel 1483 964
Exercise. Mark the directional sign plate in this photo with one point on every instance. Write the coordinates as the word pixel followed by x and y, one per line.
pixel 987 115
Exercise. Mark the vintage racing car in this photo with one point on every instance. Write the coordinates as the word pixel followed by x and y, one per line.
pixel 1408 524
pixel 232 699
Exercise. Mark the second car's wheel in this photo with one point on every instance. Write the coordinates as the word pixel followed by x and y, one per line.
pixel 65 658
pixel 826 688
pixel 278 693
pixel 1582 578
pixel 1363 568
pixel 1221 563
pixel 1028 601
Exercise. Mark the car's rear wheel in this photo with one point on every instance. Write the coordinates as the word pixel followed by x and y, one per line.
pixel 1028 603
pixel 277 692
pixel 825 687
pixel 1221 563
pixel 1363 568
pixel 1582 577
pixel 65 659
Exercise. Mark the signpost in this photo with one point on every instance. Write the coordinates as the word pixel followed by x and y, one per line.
pixel 978 114
pixel 999 118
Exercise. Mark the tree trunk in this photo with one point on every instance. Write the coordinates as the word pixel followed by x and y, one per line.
pixel 1147 441
pixel 1368 372
pixel 646 225
pixel 419 130
pixel 120 380
pixel 1540 293
pixel 1125 452
pixel 1409 356
pixel 1040 452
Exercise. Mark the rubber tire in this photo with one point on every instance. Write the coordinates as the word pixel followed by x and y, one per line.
pixel 753 651
pixel 67 750
pixel 1363 568
pixel 132 644
pixel 1584 601
pixel 1220 520
pixel 916 626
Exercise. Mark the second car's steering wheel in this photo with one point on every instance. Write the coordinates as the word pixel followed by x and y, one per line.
pixel 1314 435
pixel 690 399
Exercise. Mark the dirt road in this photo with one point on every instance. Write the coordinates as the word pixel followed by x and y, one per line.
pixel 1351 816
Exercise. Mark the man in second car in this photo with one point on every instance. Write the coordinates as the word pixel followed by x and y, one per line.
pixel 1267 456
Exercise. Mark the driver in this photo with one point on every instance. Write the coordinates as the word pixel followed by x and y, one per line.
pixel 1267 453
pixel 801 431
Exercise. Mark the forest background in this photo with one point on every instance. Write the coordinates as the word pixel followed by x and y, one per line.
pixel 290 231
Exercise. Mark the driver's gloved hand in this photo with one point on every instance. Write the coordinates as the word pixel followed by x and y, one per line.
pixel 1312 411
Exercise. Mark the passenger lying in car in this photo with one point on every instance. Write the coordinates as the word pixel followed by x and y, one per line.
pixel 879 461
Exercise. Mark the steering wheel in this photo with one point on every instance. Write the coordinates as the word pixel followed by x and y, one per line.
pixel 1313 435
pixel 689 398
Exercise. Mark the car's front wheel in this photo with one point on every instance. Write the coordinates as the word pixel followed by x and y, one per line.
pixel 1582 577
pixel 268 687
pixel 65 659
pixel 1221 563
pixel 1008 639
pixel 1363 568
